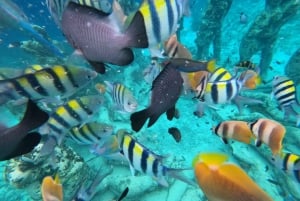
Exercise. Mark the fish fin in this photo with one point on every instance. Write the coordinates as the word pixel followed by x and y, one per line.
pixel 48 146
pixel 225 140
pixel 239 101
pixel 210 158
pixel 297 166
pixel 171 113
pixel 258 143
pixel 123 194
pixel 152 120
pixel 27 144
pixel 177 174
pixel 124 57
pixel 138 119
pixel 99 67
pixel 132 170
pixel 51 190
pixel 162 181
pixel 137 31
pixel 211 66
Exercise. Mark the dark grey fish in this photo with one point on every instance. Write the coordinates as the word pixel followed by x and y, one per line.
pixel 175 132
pixel 99 37
pixel 17 140
pixel 190 66
pixel 166 89
pixel 124 194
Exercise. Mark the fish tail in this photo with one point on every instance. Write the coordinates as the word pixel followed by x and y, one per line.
pixel 177 174
pixel 34 117
pixel 138 119
pixel 211 66
pixel 137 32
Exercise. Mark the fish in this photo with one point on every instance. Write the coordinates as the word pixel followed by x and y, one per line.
pixel 90 133
pixel 145 161
pixel 243 18
pixel 284 91
pixel 12 16
pixel 99 37
pixel 269 132
pixel 237 130
pixel 289 163
pixel 161 20
pixel 52 190
pixel 121 96
pixel 190 65
pixel 18 140
pixel 166 89
pixel 220 180
pixel 108 148
pixel 87 193
pixel 175 132
pixel 75 112
pixel 246 64
pixel 219 75
pixel 173 49
pixel 253 79
pixel 123 194
pixel 58 82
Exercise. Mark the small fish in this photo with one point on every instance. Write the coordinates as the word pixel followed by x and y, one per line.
pixel 145 161
pixel 199 88
pixel 246 64
pixel 123 194
pixel 108 148
pixel 48 83
pixel 161 20
pixel 87 193
pixel 74 112
pixel 166 89
pixel 225 181
pixel 17 140
pixel 52 190
pixel 237 130
pixel 175 132
pixel 219 75
pixel 289 163
pixel 90 133
pixel 253 79
pixel 122 97
pixel 103 40
pixel 243 18
pixel 189 65
pixel 269 132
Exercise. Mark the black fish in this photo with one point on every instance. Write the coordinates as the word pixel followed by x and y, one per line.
pixel 175 132
pixel 99 37
pixel 166 89
pixel 16 141
pixel 124 194
pixel 190 66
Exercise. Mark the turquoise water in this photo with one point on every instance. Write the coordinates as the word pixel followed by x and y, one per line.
pixel 196 132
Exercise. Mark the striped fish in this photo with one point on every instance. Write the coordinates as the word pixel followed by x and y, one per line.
pixel 90 133
pixel 145 161
pixel 289 163
pixel 122 96
pixel 48 83
pixel 284 91
pixel 161 18
pixel 74 112
pixel 220 74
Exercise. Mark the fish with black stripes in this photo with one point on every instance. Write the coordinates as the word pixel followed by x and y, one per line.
pixel 289 163
pixel 58 82
pixel 90 133
pixel 102 38
pixel 284 91
pixel 143 160
pixel 246 64
pixel 161 19
pixel 269 132
pixel 121 96
pixel 75 112
pixel 21 139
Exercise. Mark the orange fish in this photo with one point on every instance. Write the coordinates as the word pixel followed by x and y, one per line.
pixel 237 130
pixel 253 79
pixel 51 189
pixel 174 49
pixel 222 181
pixel 269 132
pixel 101 88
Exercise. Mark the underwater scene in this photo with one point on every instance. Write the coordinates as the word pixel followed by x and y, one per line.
pixel 145 100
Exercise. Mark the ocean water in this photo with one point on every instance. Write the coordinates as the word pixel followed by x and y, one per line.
pixel 197 136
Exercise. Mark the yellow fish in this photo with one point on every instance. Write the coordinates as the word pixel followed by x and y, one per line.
pixel 222 181
pixel 51 189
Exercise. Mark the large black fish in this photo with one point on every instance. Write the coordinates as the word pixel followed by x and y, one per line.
pixel 17 140
pixel 99 36
pixel 166 89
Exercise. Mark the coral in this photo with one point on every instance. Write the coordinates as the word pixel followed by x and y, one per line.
pixel 210 28
pixel 263 33
pixel 292 69
pixel 28 171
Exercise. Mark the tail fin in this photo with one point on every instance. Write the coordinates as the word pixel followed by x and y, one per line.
pixel 177 174
pixel 138 119
pixel 34 117
pixel 137 31
pixel 124 194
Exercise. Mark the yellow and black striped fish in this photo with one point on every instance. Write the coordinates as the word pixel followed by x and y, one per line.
pixel 284 91
pixel 246 64
pixel 90 133
pixel 220 74
pixel 58 81
pixel 145 161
